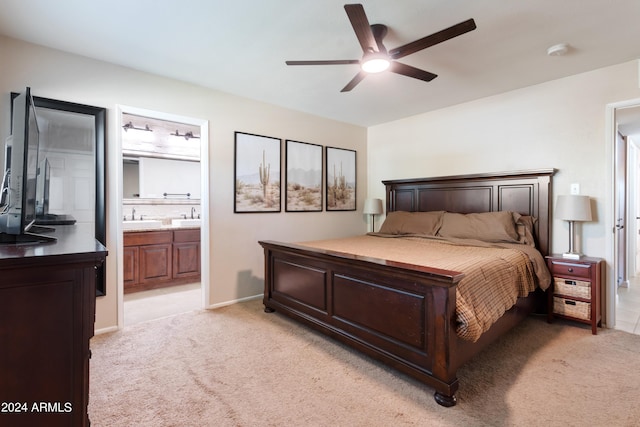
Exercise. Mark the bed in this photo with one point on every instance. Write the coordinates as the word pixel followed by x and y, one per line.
pixel 405 313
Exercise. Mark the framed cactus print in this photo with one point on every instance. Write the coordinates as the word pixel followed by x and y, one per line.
pixel 257 173
pixel 340 179
pixel 303 179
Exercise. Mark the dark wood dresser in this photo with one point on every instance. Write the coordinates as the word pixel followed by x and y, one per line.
pixel 47 314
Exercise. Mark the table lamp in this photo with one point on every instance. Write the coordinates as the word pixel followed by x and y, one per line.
pixel 373 207
pixel 573 208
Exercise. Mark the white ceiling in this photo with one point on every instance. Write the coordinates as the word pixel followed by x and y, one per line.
pixel 240 47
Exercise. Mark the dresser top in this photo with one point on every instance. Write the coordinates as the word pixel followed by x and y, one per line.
pixel 71 244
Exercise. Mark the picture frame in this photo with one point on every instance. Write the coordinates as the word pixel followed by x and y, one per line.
pixel 303 177
pixel 257 173
pixel 340 183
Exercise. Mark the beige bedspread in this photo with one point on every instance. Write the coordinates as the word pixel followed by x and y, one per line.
pixel 495 274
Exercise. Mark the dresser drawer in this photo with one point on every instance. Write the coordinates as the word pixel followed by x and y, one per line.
pixel 572 288
pixel 571 308
pixel 567 268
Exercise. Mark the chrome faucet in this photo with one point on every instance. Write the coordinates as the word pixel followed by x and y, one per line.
pixel 133 213
pixel 193 210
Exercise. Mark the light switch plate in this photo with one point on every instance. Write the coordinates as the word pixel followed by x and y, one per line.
pixel 575 188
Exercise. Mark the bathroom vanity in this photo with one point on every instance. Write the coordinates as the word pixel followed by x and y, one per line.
pixel 161 257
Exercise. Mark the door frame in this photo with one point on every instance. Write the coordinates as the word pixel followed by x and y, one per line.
pixel 633 151
pixel 610 213
pixel 204 200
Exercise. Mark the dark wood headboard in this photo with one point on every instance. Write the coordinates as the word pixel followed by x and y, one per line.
pixel 526 192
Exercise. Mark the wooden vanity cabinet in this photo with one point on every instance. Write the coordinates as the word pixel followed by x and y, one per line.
pixel 186 254
pixel 159 258
pixel 131 261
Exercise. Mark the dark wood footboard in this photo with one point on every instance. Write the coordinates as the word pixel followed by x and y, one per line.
pixel 400 314
pixel 403 314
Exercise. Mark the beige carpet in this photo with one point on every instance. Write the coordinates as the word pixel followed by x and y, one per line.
pixel 238 366
pixel 157 303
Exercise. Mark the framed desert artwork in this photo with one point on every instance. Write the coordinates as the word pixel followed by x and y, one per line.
pixel 257 173
pixel 303 189
pixel 340 183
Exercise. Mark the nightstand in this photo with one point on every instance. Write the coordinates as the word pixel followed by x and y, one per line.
pixel 576 289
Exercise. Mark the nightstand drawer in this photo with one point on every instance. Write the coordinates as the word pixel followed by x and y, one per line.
pixel 568 307
pixel 562 268
pixel 572 288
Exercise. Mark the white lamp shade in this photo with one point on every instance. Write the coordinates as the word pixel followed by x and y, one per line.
pixel 573 208
pixel 373 206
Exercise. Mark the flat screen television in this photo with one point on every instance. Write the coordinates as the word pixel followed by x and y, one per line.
pixel 20 175
pixel 42 189
pixel 43 217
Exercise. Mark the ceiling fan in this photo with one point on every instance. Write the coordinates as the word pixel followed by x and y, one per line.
pixel 376 58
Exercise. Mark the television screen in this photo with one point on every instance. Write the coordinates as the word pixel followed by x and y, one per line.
pixel 19 213
pixel 31 167
pixel 4 187
pixel 42 189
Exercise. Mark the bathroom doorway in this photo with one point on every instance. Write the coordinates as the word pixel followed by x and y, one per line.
pixel 163 236
pixel 627 218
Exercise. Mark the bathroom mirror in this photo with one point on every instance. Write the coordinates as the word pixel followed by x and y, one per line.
pixel 72 143
pixel 150 148
pixel 146 178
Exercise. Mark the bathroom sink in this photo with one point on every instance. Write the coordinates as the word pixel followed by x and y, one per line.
pixel 141 224
pixel 186 222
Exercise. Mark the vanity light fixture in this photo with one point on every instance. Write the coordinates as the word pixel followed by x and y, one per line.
pixel 130 126
pixel 189 135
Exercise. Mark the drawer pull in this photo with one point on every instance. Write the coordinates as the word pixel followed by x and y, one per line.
pixel 569 302
pixel 570 270
pixel 570 282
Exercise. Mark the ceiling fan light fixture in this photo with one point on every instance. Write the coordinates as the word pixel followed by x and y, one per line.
pixel 376 58
pixel 375 63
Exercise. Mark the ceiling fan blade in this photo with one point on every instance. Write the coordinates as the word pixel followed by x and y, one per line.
pixel 329 62
pixel 357 79
pixel 409 71
pixel 361 26
pixel 433 39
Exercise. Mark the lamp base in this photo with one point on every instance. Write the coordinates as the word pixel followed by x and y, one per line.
pixel 571 255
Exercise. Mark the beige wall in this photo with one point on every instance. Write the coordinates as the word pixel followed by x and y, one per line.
pixel 559 124
pixel 236 259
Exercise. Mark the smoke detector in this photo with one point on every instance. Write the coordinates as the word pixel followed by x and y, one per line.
pixel 558 49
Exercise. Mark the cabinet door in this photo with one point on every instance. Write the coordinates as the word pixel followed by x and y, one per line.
pixel 186 260
pixel 46 321
pixel 130 266
pixel 155 263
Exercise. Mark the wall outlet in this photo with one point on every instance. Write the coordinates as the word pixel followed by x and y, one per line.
pixel 575 188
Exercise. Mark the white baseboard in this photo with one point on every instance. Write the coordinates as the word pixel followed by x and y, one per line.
pixel 226 303
pixel 105 330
